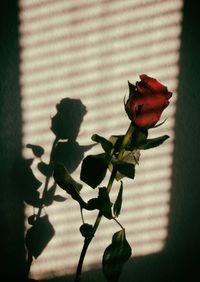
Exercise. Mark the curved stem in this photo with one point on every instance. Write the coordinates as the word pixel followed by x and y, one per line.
pixel 98 219
pixel 118 223
pixel 82 217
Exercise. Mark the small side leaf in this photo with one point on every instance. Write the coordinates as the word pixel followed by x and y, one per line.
pixel 118 202
pixel 115 256
pixel 93 169
pixel 106 145
pixel 86 230
pixel 45 169
pixel 59 198
pixel 37 150
pixel 104 203
pixel 151 143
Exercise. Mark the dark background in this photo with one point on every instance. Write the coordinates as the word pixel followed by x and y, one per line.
pixel 180 259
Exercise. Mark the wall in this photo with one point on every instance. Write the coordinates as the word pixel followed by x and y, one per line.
pixel 179 259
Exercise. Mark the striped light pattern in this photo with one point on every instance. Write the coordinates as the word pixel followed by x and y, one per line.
pixel 88 50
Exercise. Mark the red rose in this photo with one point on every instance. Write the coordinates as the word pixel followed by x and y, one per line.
pixel 146 101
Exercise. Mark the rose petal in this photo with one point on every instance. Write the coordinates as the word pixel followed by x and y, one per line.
pixel 152 83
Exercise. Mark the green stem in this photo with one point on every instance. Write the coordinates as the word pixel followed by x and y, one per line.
pixel 88 240
pixel 98 219
pixel 82 217
pixel 126 140
pixel 118 222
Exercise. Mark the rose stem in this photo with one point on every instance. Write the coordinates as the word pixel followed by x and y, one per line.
pixel 98 219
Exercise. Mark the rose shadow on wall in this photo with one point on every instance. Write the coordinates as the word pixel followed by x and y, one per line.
pixel 66 125
pixel 65 149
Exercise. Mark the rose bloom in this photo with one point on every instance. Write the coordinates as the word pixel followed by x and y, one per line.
pixel 146 101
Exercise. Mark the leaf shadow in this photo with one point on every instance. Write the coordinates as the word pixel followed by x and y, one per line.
pixel 65 125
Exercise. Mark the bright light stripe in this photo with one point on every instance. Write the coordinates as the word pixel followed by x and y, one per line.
pixel 54 86
pixel 61 71
pixel 94 10
pixel 84 49
pixel 42 61
pixel 63 34
pixel 145 213
pixel 88 14
pixel 42 52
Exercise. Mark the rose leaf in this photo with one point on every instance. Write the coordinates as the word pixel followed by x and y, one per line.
pixel 151 143
pixel 93 169
pixel 106 145
pixel 125 168
pixel 39 235
pixel 104 203
pixel 59 198
pixel 115 256
pixel 37 150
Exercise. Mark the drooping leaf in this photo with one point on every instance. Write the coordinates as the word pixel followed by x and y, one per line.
pixel 39 235
pixel 106 145
pixel 37 150
pixel 115 256
pixel 67 183
pixel 154 142
pixel 48 197
pixel 118 202
pixel 93 169
pixel 45 169
pixel 86 230
pixel 59 198
pixel 104 203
